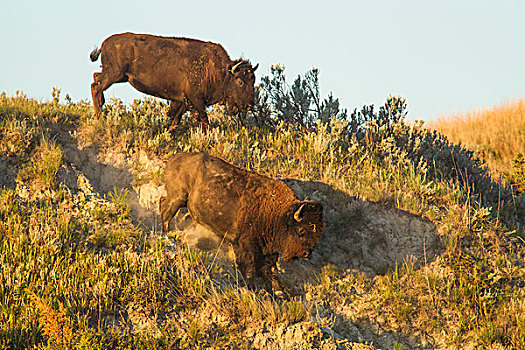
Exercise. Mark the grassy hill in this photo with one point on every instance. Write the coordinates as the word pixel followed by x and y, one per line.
pixel 422 248
pixel 496 134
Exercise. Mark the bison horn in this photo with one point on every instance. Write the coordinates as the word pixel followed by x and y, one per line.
pixel 235 67
pixel 255 68
pixel 298 215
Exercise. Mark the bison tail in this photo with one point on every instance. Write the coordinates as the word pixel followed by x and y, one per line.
pixel 94 54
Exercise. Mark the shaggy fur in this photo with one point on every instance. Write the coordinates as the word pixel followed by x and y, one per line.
pixel 191 74
pixel 260 216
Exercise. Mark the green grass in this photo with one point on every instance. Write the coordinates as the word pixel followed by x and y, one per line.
pixel 70 262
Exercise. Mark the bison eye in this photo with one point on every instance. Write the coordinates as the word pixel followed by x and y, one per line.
pixel 240 82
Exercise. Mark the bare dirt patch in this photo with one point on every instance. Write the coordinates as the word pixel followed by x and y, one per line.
pixel 365 236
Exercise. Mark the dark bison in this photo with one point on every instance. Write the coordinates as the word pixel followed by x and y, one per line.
pixel 260 216
pixel 191 74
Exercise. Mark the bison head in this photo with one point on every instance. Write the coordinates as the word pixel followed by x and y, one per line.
pixel 239 94
pixel 304 229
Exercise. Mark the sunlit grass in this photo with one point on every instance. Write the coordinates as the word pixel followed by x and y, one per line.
pixel 496 134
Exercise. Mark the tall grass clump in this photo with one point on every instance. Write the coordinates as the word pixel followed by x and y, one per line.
pixel 45 163
pixel 518 172
pixel 142 125
pixel 21 107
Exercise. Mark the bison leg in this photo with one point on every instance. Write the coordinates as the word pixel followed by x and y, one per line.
pixel 168 209
pixel 245 259
pixel 202 119
pixel 102 81
pixel 270 277
pixel 198 110
pixel 175 112
pixel 96 94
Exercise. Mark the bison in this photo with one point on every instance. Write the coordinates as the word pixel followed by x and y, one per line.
pixel 261 217
pixel 190 73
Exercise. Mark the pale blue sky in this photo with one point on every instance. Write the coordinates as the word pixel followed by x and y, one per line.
pixel 442 56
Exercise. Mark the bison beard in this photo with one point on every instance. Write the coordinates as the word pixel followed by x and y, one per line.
pixel 260 216
pixel 191 74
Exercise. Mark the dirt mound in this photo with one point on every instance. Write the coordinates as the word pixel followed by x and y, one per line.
pixel 366 236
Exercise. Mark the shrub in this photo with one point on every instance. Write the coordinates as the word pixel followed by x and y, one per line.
pixel 299 104
pixel 393 111
pixel 440 158
pixel 496 134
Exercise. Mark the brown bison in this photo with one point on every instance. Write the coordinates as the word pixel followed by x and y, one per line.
pixel 191 74
pixel 260 216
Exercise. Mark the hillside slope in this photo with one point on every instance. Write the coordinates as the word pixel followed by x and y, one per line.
pixel 496 134
pixel 416 253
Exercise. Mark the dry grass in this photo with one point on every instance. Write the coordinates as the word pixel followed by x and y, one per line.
pixel 496 134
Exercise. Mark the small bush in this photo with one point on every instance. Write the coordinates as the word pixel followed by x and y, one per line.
pixel 54 323
pixel 437 156
pixel 16 138
pixel 299 104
